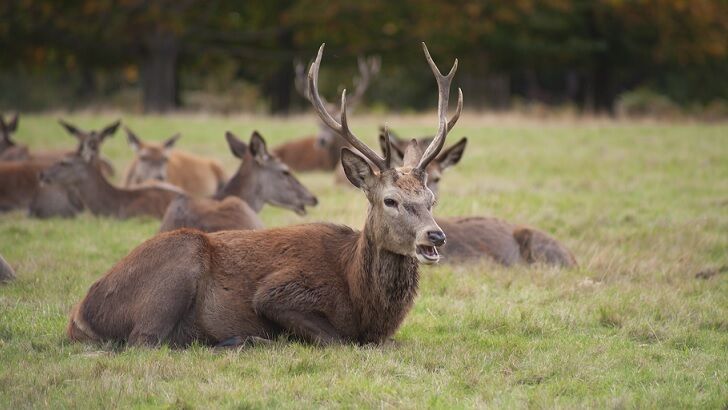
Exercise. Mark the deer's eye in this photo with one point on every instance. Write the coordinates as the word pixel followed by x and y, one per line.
pixel 286 172
pixel 390 202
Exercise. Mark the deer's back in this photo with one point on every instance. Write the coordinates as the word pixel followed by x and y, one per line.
pixel 146 201
pixel 19 181
pixel 196 175
pixel 304 155
pixel 473 238
pixel 209 215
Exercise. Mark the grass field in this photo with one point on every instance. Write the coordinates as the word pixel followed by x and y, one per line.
pixel 643 206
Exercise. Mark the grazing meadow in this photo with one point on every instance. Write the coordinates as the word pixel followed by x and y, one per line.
pixel 642 322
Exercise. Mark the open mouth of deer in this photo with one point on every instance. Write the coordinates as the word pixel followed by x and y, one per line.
pixel 427 254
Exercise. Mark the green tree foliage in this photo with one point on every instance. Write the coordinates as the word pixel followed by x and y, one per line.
pixel 581 51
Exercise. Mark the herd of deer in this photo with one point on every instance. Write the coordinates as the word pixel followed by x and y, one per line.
pixel 214 275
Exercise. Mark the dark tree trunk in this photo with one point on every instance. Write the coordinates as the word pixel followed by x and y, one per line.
pixel 159 73
pixel 279 85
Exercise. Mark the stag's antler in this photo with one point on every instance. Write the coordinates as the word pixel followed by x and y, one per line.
pixel 341 128
pixel 443 88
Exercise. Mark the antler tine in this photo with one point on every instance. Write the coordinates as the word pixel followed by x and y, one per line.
pixel 458 110
pixel 387 148
pixel 343 128
pixel 443 87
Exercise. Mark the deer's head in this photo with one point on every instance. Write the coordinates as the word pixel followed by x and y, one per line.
pixel 93 140
pixel 76 168
pixel 269 178
pixel 151 158
pixel 400 203
pixel 446 159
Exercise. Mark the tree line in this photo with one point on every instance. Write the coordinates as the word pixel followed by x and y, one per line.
pixel 580 52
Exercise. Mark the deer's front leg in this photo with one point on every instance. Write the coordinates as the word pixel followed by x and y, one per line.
pixel 299 309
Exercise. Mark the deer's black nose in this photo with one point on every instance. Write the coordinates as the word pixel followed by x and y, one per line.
pixel 436 237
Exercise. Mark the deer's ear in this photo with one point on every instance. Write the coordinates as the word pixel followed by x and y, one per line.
pixel 71 129
pixel 452 155
pixel 357 170
pixel 110 130
pixel 134 142
pixel 12 125
pixel 397 153
pixel 169 143
pixel 237 147
pixel 258 147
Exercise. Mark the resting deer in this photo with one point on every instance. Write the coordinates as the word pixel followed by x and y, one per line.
pixel 475 238
pixel 261 178
pixel 6 271
pixel 321 152
pixel 322 283
pixel 80 174
pixel 196 175
pixel 54 200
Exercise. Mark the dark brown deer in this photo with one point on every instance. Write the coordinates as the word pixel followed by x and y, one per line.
pixel 475 238
pixel 321 152
pixel 80 175
pixel 196 175
pixel 261 178
pixel 6 271
pixel 54 200
pixel 319 282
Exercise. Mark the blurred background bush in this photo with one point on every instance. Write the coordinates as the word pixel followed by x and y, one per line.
pixel 636 58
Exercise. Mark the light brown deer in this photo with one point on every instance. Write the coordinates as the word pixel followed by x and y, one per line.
pixel 261 178
pixel 322 152
pixel 52 200
pixel 196 175
pixel 6 271
pixel 475 238
pixel 319 282
pixel 80 174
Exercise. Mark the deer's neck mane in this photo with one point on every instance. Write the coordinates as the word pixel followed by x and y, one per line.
pixel 98 194
pixel 382 287
pixel 245 186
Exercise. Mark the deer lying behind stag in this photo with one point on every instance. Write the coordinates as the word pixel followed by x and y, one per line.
pixel 322 152
pixel 21 188
pixel 475 238
pixel 80 174
pixel 261 178
pixel 322 283
pixel 196 175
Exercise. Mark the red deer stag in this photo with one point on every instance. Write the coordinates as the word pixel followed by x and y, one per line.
pixel 80 174
pixel 196 175
pixel 54 200
pixel 6 271
pixel 475 238
pixel 321 152
pixel 261 178
pixel 321 283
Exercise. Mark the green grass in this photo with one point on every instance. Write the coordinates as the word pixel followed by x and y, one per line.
pixel 643 206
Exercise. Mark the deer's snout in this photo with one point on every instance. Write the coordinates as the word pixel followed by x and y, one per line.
pixel 436 237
